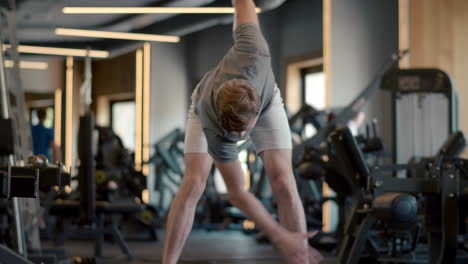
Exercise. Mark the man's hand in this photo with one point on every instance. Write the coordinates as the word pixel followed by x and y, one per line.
pixel 296 249
pixel 314 256
pixel 245 12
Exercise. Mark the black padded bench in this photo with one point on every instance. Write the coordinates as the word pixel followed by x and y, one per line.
pixel 100 215
pixel 105 223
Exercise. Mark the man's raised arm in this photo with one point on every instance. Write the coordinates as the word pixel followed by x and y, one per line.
pixel 245 12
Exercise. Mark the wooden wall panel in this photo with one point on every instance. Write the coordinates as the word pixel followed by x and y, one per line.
pixel 460 64
pixel 114 76
pixel 438 37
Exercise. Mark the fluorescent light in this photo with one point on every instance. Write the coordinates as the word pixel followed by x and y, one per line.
pixel 32 65
pixel 58 118
pixel 150 10
pixel 139 109
pixel 60 51
pixel 69 115
pixel 146 106
pixel 115 35
pixel 145 196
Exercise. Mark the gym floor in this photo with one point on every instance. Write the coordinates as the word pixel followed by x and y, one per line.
pixel 227 247
pixel 215 247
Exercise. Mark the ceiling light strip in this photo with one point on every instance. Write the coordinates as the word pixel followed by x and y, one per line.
pixel 69 114
pixel 60 51
pixel 32 65
pixel 115 35
pixel 58 118
pixel 138 106
pixel 150 10
pixel 146 105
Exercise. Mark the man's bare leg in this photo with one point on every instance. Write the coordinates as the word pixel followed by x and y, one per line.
pixel 182 212
pixel 291 244
pixel 290 209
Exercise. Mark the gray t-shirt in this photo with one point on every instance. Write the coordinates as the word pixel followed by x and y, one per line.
pixel 249 59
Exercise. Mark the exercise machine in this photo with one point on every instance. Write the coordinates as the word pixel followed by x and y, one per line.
pixel 347 113
pixel 379 198
pixel 425 111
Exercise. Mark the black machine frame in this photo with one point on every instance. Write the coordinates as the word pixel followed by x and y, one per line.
pixel 442 183
pixel 441 179
pixel 403 82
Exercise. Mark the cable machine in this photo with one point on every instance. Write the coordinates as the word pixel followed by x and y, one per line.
pixel 425 111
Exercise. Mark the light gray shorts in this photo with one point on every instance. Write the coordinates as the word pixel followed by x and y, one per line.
pixel 270 132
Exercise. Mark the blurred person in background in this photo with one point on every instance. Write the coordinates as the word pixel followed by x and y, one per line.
pixel 43 139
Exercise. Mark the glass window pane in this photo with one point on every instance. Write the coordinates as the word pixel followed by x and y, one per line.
pixel 123 122
pixel 49 120
pixel 314 94
pixel 34 118
pixel 315 90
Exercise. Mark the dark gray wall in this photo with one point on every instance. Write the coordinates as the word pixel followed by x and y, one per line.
pixel 168 88
pixel 168 95
pixel 363 35
pixel 301 23
pixel 294 29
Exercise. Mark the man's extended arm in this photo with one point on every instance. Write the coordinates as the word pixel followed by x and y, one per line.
pixel 245 12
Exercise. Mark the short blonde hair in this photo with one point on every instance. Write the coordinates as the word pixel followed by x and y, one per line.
pixel 237 103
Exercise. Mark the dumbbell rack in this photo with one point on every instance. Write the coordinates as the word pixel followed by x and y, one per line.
pixel 12 112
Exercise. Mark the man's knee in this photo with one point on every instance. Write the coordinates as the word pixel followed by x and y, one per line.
pixel 193 187
pixel 197 168
pixel 236 197
pixel 279 169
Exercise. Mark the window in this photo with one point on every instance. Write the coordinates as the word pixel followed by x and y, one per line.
pixel 313 83
pixel 297 68
pixel 123 122
pixel 49 120
pixel 313 92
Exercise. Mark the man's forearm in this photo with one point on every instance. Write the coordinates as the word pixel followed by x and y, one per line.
pixel 245 12
pixel 245 201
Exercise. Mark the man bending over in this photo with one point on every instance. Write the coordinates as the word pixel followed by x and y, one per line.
pixel 236 100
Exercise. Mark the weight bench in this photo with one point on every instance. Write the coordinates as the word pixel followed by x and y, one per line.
pixel 104 224
pixel 91 212
pixel 353 178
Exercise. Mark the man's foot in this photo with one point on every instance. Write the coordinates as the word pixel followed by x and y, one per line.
pixel 314 256
pixel 294 247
